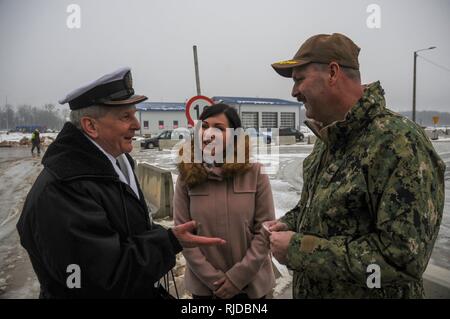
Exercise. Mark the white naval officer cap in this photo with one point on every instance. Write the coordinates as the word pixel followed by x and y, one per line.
pixel 113 89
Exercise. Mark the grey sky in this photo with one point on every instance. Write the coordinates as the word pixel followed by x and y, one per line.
pixel 41 59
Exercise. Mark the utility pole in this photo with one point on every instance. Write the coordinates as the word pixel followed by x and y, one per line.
pixel 414 82
pixel 7 113
pixel 197 75
pixel 414 88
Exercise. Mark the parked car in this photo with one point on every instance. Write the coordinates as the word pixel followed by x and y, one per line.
pixel 154 141
pixel 261 136
pixel 299 136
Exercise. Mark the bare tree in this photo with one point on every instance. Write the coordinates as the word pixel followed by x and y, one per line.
pixel 47 115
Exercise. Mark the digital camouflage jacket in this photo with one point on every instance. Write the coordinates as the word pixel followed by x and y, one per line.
pixel 373 193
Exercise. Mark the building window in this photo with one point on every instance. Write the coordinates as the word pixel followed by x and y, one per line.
pixel 249 120
pixel 287 120
pixel 269 120
pixel 146 124
pixel 161 125
pixel 175 124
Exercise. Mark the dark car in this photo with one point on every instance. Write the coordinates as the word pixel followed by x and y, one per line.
pixel 259 136
pixel 299 137
pixel 154 141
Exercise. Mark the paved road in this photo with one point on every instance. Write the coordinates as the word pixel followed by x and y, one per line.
pixel 18 170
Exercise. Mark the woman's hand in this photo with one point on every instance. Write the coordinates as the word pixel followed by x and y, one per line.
pixel 225 289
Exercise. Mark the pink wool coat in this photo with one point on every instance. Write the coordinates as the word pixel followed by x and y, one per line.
pixel 231 205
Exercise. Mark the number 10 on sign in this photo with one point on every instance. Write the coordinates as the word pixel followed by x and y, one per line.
pixel 195 106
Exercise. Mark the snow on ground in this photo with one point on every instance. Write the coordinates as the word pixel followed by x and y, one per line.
pixel 441 252
pixel 16 136
pixel 285 196
pixel 18 171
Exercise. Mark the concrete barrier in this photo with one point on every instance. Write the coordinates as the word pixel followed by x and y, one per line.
pixel 311 139
pixel 432 134
pixel 167 144
pixel 287 140
pixel 136 146
pixel 157 186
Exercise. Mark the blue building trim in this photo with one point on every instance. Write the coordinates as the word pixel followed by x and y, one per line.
pixel 233 100
pixel 253 101
pixel 161 106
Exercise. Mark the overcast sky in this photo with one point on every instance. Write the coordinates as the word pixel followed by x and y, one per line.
pixel 41 59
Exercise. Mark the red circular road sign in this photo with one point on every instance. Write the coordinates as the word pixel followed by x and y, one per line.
pixel 195 106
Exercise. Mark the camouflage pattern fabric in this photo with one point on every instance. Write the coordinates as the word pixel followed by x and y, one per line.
pixel 373 194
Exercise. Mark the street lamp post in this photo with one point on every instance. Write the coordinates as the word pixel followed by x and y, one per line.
pixel 414 82
pixel 7 113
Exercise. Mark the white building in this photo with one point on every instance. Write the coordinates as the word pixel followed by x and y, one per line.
pixel 264 112
pixel 254 112
pixel 159 116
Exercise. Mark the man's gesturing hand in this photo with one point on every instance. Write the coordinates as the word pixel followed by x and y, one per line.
pixel 187 239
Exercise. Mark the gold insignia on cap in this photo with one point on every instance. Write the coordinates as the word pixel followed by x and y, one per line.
pixel 128 80
pixel 288 62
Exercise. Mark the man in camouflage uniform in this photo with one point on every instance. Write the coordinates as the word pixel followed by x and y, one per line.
pixel 373 188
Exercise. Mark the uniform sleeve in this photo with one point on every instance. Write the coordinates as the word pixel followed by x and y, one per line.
pixel 290 217
pixel 198 263
pixel 406 189
pixel 72 228
pixel 243 272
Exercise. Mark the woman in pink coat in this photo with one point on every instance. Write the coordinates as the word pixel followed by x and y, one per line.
pixel 229 200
